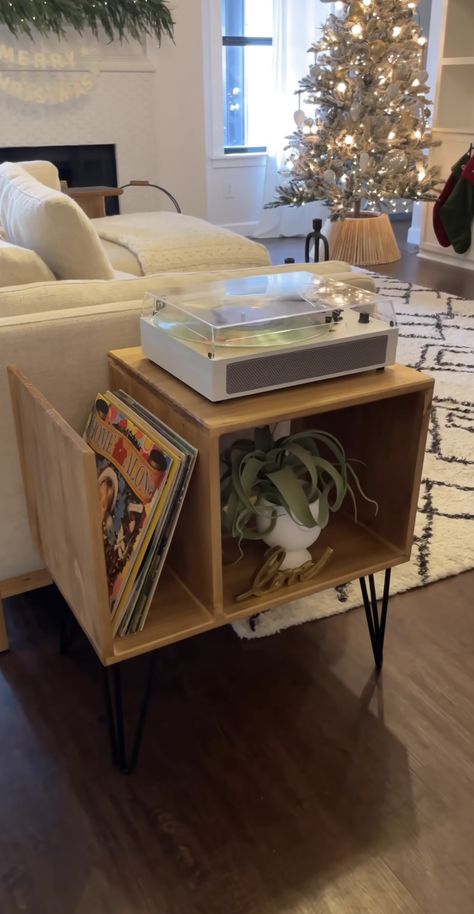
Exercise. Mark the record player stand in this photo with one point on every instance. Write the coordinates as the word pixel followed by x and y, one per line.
pixel 381 417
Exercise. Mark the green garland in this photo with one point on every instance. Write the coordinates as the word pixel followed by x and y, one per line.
pixel 118 18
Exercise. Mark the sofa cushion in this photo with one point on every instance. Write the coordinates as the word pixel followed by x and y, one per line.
pixel 19 265
pixel 44 172
pixel 52 224
pixel 54 296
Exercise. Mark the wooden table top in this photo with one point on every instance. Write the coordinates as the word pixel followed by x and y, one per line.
pixel 93 191
pixel 276 405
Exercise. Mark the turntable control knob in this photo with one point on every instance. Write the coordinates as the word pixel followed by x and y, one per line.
pixel 364 317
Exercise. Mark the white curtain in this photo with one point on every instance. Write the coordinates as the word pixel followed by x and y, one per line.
pixel 295 29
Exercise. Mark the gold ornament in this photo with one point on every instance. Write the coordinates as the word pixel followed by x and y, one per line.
pixel 356 10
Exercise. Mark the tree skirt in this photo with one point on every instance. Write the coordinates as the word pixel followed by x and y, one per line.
pixel 437 337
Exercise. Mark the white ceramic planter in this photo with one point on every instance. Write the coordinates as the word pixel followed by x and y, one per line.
pixel 294 538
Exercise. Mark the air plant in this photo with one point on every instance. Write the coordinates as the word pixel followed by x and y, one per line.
pixel 262 475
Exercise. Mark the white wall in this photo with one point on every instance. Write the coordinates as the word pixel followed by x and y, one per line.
pixel 148 101
pixel 235 191
pixel 180 108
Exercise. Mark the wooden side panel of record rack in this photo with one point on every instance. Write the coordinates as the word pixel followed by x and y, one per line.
pixel 60 479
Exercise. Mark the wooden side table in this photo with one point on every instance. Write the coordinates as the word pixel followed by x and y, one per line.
pixel 381 417
pixel 92 199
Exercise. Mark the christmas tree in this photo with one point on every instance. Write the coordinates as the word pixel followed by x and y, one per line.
pixel 365 142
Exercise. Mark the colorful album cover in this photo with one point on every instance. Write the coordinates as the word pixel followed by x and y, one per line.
pixel 134 473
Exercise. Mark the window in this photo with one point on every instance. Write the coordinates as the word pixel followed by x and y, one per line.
pixel 247 27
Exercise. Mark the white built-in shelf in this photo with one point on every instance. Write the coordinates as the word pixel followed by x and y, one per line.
pixel 456 97
pixel 460 131
pixel 459 30
pixel 451 66
pixel 431 251
pixel 458 61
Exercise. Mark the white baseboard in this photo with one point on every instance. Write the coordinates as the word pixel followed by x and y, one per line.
pixel 434 252
pixel 241 228
pixel 414 235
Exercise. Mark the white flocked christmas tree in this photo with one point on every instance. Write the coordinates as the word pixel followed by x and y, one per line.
pixel 361 141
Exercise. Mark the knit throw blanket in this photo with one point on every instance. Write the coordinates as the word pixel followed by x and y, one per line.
pixel 171 241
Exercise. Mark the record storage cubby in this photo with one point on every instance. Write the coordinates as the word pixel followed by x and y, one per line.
pixel 381 417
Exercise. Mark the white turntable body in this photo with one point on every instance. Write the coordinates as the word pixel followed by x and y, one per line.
pixel 346 336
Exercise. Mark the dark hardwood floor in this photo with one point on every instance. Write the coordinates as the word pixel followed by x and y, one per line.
pixel 277 776
pixel 410 268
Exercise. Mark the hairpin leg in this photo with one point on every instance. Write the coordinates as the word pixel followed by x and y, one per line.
pixel 376 623
pixel 115 717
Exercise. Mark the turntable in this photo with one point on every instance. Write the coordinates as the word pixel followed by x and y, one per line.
pixel 230 338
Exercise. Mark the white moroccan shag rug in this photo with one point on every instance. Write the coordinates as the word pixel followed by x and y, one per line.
pixel 437 337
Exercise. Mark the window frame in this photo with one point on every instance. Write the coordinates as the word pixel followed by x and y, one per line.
pixel 242 41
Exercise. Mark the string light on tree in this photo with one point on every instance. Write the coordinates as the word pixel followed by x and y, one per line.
pixel 367 86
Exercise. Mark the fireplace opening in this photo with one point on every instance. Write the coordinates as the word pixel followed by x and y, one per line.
pixel 80 166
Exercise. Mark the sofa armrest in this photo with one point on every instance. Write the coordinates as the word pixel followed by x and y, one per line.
pixel 56 296
pixel 64 353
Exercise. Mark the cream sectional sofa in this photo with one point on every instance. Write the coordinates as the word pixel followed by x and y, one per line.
pixel 46 223
pixel 59 334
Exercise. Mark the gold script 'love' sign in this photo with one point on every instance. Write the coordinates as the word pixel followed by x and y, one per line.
pixel 271 577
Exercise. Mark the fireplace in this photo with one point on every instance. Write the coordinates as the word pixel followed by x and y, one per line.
pixel 80 166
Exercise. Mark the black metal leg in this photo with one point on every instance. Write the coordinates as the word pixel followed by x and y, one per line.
pixel 115 717
pixel 376 623
pixel 253 621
